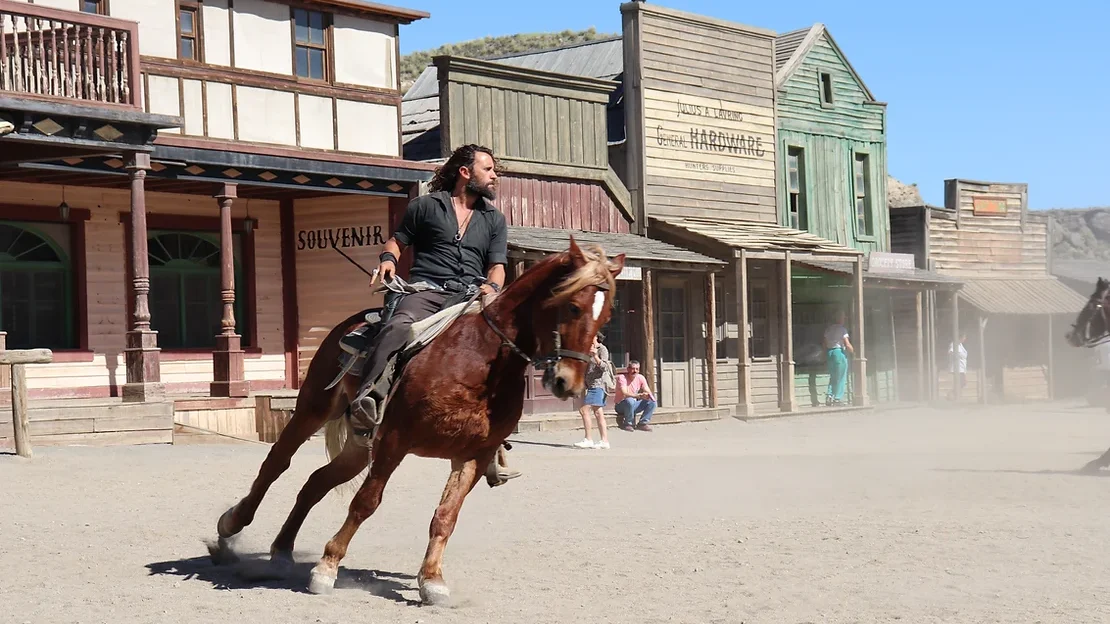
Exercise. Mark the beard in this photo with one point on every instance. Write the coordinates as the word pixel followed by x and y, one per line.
pixel 487 191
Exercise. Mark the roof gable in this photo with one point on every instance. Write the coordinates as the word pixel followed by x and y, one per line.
pixel 793 47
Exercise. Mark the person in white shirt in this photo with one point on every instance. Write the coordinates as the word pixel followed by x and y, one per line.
pixel 837 343
pixel 957 363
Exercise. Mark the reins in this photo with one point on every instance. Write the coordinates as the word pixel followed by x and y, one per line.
pixel 546 361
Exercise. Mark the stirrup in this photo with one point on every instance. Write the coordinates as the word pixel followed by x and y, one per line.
pixel 496 474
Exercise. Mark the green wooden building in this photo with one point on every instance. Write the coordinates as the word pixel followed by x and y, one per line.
pixel 832 182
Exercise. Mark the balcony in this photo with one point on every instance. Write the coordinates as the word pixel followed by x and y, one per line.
pixel 69 85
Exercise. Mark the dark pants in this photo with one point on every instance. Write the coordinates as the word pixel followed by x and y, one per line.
pixel 410 309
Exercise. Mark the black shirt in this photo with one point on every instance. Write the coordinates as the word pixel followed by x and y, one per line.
pixel 429 227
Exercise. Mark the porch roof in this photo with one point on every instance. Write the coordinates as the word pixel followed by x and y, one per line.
pixel 1024 296
pixel 915 279
pixel 753 236
pixel 639 250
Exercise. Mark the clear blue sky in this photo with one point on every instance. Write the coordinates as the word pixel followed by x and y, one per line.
pixel 984 90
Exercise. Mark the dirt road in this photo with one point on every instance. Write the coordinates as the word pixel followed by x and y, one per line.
pixel 912 516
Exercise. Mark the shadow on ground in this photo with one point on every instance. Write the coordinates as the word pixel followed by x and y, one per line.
pixel 254 572
pixel 1080 472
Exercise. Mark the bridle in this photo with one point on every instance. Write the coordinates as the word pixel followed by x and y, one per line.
pixel 1098 301
pixel 546 361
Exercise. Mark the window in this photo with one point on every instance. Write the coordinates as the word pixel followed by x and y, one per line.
pixel 865 223
pixel 796 187
pixel 826 89
pixel 617 329
pixel 185 302
pixel 188 31
pixel 310 48
pixel 96 7
pixel 672 319
pixel 728 330
pixel 759 313
pixel 36 307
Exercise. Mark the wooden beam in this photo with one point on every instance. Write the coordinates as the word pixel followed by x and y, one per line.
pixel 788 402
pixel 648 359
pixel 859 387
pixel 919 327
pixel 26 356
pixel 711 336
pixel 20 421
pixel 1051 363
pixel 5 371
pixel 982 358
pixel 744 374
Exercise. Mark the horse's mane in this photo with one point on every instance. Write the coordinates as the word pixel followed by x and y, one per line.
pixel 596 272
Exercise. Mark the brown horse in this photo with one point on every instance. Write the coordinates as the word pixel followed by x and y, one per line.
pixel 1092 328
pixel 458 399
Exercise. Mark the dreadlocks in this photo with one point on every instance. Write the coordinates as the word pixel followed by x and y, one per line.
pixel 448 173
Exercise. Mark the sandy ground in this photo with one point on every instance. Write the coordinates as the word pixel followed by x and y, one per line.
pixel 914 515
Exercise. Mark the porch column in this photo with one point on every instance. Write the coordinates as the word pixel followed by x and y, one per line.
pixel 744 372
pixel 711 336
pixel 227 359
pixel 647 360
pixel 789 400
pixel 859 362
pixel 5 371
pixel 956 341
pixel 919 326
pixel 141 352
pixel 1051 363
pixel 982 358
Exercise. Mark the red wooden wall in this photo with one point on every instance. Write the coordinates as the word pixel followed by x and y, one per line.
pixel 547 203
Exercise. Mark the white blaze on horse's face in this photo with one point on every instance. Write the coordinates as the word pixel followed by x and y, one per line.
pixel 599 302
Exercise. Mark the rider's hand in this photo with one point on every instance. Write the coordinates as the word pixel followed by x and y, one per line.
pixel 487 290
pixel 386 271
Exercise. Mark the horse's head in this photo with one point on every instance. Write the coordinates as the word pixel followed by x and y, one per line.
pixel 1093 321
pixel 577 307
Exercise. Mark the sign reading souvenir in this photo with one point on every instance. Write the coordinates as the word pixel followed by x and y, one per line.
pixel 989 205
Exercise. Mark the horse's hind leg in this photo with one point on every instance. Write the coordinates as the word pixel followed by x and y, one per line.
pixel 353 460
pixel 464 475
pixel 364 504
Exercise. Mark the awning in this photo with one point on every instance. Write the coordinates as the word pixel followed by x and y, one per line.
pixel 907 278
pixel 753 236
pixel 1042 295
pixel 639 250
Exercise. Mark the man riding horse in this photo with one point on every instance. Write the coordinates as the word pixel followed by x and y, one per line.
pixel 459 242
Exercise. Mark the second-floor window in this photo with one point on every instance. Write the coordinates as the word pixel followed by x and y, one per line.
pixel 865 223
pixel 310 53
pixel 188 30
pixel 96 7
pixel 796 187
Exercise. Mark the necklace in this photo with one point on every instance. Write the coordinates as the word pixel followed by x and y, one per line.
pixel 462 228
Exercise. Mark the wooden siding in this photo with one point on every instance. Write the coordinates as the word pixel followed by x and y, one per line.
pixel 964 244
pixel 830 189
pixel 849 117
pixel 547 203
pixel 105 272
pixel 329 288
pixel 765 386
pixel 908 233
pixel 700 115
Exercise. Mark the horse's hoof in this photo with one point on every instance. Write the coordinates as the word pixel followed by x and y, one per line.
pixel 221 552
pixel 435 593
pixel 223 526
pixel 281 561
pixel 320 583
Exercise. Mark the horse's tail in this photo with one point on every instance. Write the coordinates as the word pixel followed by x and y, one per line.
pixel 336 433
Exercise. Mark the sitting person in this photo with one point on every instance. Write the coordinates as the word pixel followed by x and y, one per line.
pixel 634 397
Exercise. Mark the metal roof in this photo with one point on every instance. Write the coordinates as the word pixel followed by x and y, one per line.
pixel 756 236
pixel 787 43
pixel 1045 295
pixel 638 249
pixel 916 276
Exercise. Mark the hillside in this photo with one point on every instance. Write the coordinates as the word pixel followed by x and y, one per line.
pixel 1081 234
pixel 414 63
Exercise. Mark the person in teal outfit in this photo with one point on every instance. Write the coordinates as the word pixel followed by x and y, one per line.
pixel 838 345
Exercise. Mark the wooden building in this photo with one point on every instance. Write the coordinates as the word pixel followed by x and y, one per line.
pixel 1014 312
pixel 549 132
pixel 832 183
pixel 175 179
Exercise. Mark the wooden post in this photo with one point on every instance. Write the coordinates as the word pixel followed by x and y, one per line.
pixel 227 359
pixel 141 351
pixel 5 372
pixel 711 336
pixel 1051 363
pixel 744 372
pixel 919 326
pixel 894 350
pixel 18 360
pixel 952 363
pixel 982 358
pixel 859 362
pixel 788 402
pixel 648 359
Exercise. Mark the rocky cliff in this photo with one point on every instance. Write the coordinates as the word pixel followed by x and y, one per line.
pixel 1081 234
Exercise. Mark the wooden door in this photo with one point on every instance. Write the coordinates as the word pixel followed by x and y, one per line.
pixel 674 363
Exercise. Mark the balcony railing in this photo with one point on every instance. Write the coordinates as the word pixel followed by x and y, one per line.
pixel 53 53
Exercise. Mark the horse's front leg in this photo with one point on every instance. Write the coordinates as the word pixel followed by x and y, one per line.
pixel 364 504
pixel 464 475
